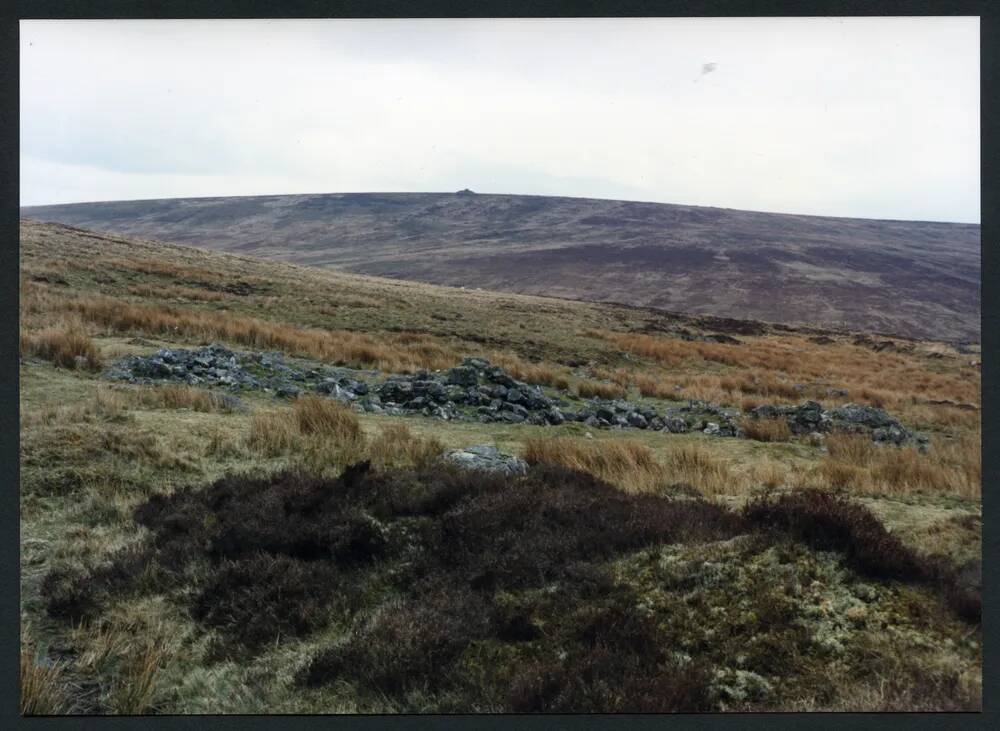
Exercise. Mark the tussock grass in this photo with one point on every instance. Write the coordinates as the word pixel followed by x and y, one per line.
pixel 325 433
pixel 42 689
pixel 325 417
pixel 396 444
pixel 766 430
pixel 542 374
pixel 273 433
pixel 586 388
pixel 626 463
pixel 653 387
pixel 694 464
pixel 135 686
pixel 113 403
pixel 61 346
pixel 855 463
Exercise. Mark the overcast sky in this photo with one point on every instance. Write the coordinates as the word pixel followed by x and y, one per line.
pixel 873 117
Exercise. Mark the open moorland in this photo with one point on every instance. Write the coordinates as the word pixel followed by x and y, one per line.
pixel 246 487
pixel 912 278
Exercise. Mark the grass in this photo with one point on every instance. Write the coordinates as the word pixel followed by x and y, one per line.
pixel 67 348
pixel 454 592
pixel 767 430
pixel 859 465
pixel 586 388
pixel 628 464
pixel 325 417
pixel 43 692
pixel 694 464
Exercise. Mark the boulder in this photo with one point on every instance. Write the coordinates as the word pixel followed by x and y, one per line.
pixel 486 458
pixel 676 425
pixel 637 420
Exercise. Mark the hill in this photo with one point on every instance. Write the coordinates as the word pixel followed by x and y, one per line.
pixel 235 497
pixel 909 278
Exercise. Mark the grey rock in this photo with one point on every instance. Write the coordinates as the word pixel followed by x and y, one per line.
pixel 486 458
pixel 637 420
pixel 676 425
pixel 463 375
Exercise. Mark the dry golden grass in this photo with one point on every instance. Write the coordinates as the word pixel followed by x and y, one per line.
pixel 625 463
pixel 273 433
pixel 135 686
pixel 586 388
pixel 390 351
pixel 323 417
pixel 42 692
pixel 619 375
pixel 61 346
pixel 766 430
pixel 694 464
pixel 653 387
pixel 396 444
pixel 852 448
pixel 856 464
pixel 769 367
pixel 543 374
pixel 326 433
pixel 767 473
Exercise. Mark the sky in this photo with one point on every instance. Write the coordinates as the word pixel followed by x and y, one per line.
pixel 859 117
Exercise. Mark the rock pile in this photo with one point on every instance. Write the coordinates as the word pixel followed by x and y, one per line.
pixel 215 365
pixel 810 418
pixel 478 390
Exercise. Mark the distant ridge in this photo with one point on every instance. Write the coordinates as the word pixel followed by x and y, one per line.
pixel 912 278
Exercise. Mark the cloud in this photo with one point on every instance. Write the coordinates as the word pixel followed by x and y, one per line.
pixel 600 108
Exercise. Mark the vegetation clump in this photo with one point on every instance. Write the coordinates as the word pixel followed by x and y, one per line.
pixel 519 594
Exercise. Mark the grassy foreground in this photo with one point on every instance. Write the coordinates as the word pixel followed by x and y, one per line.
pixel 685 573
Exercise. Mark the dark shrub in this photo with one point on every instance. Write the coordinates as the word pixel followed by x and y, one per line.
pixel 830 522
pixel 410 645
pixel 77 594
pixel 69 594
pixel 616 662
pixel 262 597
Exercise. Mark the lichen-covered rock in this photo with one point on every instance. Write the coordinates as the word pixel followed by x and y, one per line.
pixel 487 458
